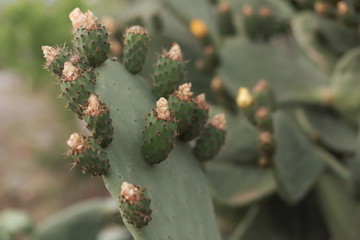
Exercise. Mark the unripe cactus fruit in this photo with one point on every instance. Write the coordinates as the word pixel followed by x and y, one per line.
pixel 199 118
pixel 267 149
pixel 76 86
pixel 88 155
pixel 199 29
pixel 136 47
pixel 55 58
pixel 181 104
pixel 159 134
pixel 91 39
pixel 264 119
pixel 211 140
pixel 264 95
pixel 346 14
pixel 135 205
pixel 98 121
pixel 226 25
pixel 170 71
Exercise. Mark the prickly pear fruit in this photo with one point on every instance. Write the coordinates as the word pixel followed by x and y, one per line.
pixel 91 39
pixel 170 71
pixel 211 140
pixel 80 61
pixel 226 25
pixel 55 58
pixel 263 119
pixel 346 14
pixel 88 155
pixel 200 116
pixel 135 205
pixel 264 95
pixel 98 121
pixel 159 134
pixel 136 47
pixel 77 86
pixel 267 149
pixel 181 104
pixel 325 9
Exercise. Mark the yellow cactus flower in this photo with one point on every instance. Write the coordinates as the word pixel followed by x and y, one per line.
pixel 198 28
pixel 244 98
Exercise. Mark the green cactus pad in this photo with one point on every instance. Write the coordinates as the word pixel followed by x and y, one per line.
pixel 169 74
pixel 183 112
pixel 57 66
pixel 209 143
pixel 173 201
pixel 94 45
pixel 78 91
pixel 92 160
pixel 136 46
pixel 137 212
pixel 159 138
pixel 101 126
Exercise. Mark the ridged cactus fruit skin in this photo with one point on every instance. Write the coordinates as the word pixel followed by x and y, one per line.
pixel 91 40
pixel 170 72
pixel 135 205
pixel 136 47
pixel 199 118
pixel 209 144
pixel 88 155
pixel 55 58
pixel 224 15
pixel 159 134
pixel 98 120
pixel 77 85
pixel 182 106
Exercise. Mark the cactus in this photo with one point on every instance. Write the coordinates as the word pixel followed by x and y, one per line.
pixel 211 139
pixel 135 205
pixel 170 72
pixel 159 134
pixel 90 38
pixel 287 143
pixel 136 41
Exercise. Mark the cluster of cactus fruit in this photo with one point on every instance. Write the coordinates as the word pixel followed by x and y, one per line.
pixel 181 115
pixel 281 138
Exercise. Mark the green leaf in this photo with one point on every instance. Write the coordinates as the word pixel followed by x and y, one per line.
pixel 297 164
pixel 239 185
pixel 292 75
pixel 181 202
pixel 340 210
pixel 345 84
pixel 79 221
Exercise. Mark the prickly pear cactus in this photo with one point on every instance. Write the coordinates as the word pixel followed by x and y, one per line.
pixel 284 72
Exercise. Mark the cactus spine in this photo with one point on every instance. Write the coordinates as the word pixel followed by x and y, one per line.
pixel 136 47
pixel 55 58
